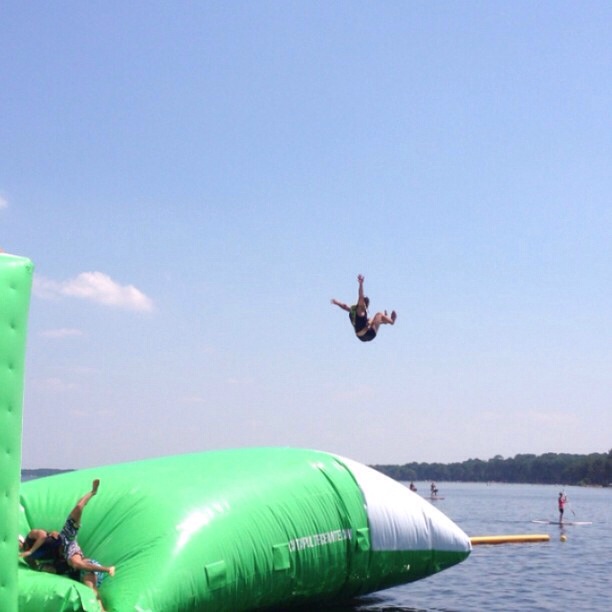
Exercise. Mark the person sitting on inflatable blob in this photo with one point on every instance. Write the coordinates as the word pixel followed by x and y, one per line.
pixel 60 553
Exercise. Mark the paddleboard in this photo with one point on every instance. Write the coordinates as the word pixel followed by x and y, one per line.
pixel 564 522
pixel 435 497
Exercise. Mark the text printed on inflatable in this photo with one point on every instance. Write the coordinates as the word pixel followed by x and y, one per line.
pixel 320 539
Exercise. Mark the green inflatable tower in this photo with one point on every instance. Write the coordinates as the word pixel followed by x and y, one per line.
pixel 15 287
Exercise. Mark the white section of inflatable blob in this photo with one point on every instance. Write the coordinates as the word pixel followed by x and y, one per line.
pixel 402 520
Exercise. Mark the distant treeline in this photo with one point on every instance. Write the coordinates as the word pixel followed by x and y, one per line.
pixel 40 473
pixel 550 468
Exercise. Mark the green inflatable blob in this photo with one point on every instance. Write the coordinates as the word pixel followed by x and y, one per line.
pixel 239 530
pixel 49 593
pixel 15 286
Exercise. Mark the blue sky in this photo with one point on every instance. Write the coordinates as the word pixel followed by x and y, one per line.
pixel 195 181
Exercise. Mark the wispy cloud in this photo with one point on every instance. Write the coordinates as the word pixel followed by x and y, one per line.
pixel 233 380
pixel 95 287
pixel 550 419
pixel 3 202
pixel 193 399
pixel 64 332
pixel 359 392
pixel 56 385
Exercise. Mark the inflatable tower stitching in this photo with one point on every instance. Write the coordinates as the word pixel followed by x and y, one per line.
pixel 15 287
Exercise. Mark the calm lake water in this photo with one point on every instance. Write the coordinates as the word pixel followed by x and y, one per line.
pixel 561 576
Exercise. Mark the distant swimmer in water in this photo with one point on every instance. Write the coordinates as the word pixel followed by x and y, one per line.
pixel 561 503
pixel 365 329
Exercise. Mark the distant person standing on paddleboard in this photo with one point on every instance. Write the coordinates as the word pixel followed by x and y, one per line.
pixel 365 329
pixel 562 501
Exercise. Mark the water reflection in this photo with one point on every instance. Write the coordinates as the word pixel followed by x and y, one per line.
pixel 367 603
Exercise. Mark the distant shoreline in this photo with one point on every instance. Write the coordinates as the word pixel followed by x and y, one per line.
pixel 41 473
pixel 593 470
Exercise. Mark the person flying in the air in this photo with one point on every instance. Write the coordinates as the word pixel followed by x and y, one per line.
pixel 365 329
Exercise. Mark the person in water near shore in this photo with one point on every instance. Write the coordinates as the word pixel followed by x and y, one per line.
pixel 365 329
pixel 561 503
pixel 412 487
pixel 60 553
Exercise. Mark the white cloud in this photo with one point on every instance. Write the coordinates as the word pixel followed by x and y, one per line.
pixel 3 202
pixel 63 332
pixel 96 287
